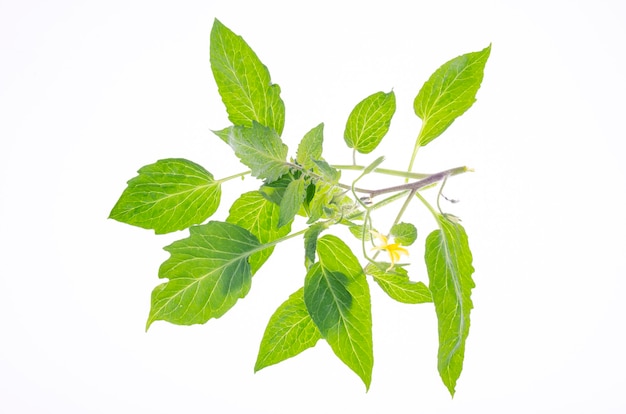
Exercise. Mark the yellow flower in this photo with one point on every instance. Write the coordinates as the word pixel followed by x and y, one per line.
pixel 394 249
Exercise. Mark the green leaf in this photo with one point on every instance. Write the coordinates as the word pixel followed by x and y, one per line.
pixel 328 173
pixel 275 190
pixel 310 242
pixel 397 285
pixel 289 331
pixel 369 121
pixel 358 231
pixel 244 82
pixel 169 195
pixel 259 216
pixel 291 201
pixel 310 147
pixel 449 92
pixel 208 272
pixel 404 233
pixel 261 150
pixel 337 297
pixel 449 262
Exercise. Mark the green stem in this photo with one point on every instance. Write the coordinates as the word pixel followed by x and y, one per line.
pixel 275 242
pixel 427 204
pixel 232 177
pixel 385 171
pixel 415 148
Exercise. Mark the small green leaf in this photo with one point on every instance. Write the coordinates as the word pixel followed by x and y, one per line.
pixel 244 82
pixel 275 190
pixel 321 205
pixel 261 150
pixel 337 297
pixel 369 121
pixel 357 231
pixel 208 272
pixel 291 201
pixel 328 173
pixel 449 262
pixel 397 285
pixel 310 148
pixel 404 233
pixel 259 216
pixel 448 93
pixel 310 242
pixel 289 331
pixel 169 195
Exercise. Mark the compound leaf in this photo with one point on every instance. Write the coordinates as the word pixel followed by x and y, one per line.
pixel 449 92
pixel 337 297
pixel 259 216
pixel 397 285
pixel 449 262
pixel 208 272
pixel 369 121
pixel 289 331
pixel 169 195
pixel 260 149
pixel 244 82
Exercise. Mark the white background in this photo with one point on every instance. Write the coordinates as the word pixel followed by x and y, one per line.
pixel 91 91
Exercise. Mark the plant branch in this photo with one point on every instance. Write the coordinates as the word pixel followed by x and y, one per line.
pixel 431 179
pixel 386 171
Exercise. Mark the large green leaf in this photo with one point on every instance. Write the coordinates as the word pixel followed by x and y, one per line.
pixel 169 195
pixel 448 93
pixel 337 297
pixel 208 272
pixel 369 121
pixel 244 82
pixel 259 216
pixel 310 147
pixel 261 149
pixel 449 262
pixel 289 331
pixel 397 285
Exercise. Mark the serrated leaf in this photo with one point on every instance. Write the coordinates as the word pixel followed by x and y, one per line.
pixel 289 331
pixel 449 263
pixel 448 93
pixel 169 195
pixel 224 134
pixel 310 147
pixel 291 201
pixel 244 82
pixel 397 285
pixel 369 121
pixel 259 216
pixel 261 150
pixel 208 272
pixel 337 297
pixel 310 242
pixel 404 233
